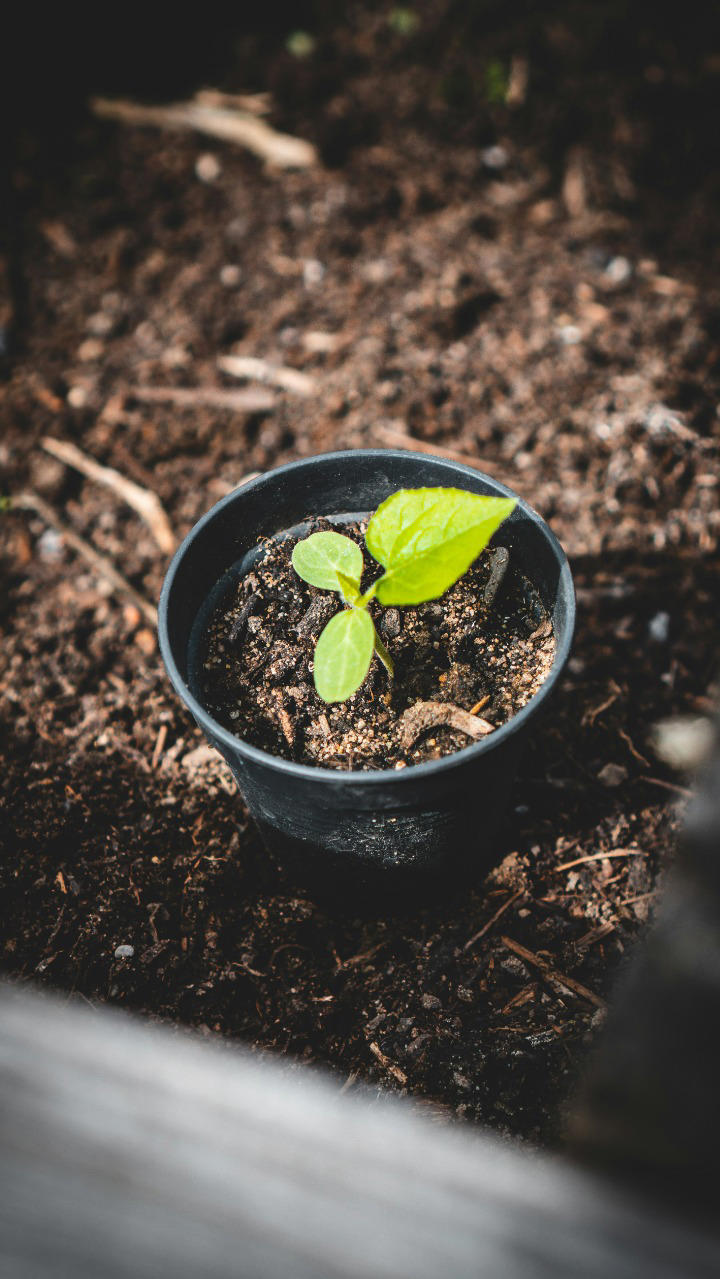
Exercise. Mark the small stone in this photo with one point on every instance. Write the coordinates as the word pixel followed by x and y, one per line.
pixel 313 272
pixel 101 324
pixel 145 641
pixel 569 334
pixel 391 623
pixel 125 951
pixel 50 545
pixel 77 397
pixel 431 1002
pixel 618 270
pixel 175 357
pixel 612 774
pixel 90 349
pixel 318 342
pixel 659 628
pixel 495 157
pixel 230 275
pixel 208 167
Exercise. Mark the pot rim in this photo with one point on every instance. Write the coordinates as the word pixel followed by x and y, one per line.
pixel 377 776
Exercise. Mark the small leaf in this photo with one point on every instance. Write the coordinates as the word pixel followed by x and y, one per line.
pixel 343 654
pixel 319 558
pixel 427 538
pixel 349 588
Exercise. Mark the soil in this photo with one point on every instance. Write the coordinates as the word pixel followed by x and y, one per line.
pixel 527 281
pixel 487 646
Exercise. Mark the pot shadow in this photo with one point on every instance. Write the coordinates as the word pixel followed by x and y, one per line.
pixel 645 649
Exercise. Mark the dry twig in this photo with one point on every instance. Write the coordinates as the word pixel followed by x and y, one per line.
pixel 552 975
pixel 387 1064
pixel 159 745
pixel 101 565
pixel 600 857
pixel 147 504
pixel 257 370
pixel 252 103
pixel 679 790
pixel 594 935
pixel 278 150
pixel 246 400
pixel 493 919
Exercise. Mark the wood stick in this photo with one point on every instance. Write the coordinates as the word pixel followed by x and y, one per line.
pixel 252 103
pixel 658 781
pixel 600 857
pixel 278 150
pixel 245 400
pixel 552 974
pixel 493 919
pixel 147 504
pixel 100 563
pixel 258 370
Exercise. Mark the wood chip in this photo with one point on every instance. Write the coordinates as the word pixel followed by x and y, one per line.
pixel 320 611
pixel 388 1065
pixel 424 715
pixel 574 189
pixel 324 725
pixel 159 745
pixel 286 725
pixel 499 562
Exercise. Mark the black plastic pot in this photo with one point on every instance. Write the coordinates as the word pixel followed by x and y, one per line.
pixel 428 822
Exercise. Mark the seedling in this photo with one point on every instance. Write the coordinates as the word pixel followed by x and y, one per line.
pixel 425 539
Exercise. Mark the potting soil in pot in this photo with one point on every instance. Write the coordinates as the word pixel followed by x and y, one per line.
pixel 464 664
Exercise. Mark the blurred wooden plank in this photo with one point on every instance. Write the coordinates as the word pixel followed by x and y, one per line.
pixel 134 1151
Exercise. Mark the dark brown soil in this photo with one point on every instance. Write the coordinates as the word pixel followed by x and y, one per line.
pixel 486 646
pixel 550 311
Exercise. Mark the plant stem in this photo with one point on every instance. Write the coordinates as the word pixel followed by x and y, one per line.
pixel 384 656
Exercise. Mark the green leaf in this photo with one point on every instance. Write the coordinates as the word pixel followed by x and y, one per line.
pixel 350 589
pixel 319 558
pixel 343 654
pixel 427 538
